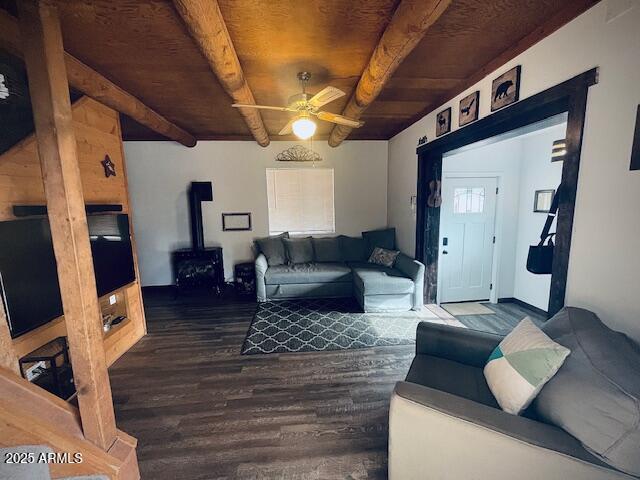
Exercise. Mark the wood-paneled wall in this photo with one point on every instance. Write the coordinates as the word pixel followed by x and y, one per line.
pixel 97 131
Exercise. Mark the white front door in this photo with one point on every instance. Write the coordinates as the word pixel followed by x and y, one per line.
pixel 467 220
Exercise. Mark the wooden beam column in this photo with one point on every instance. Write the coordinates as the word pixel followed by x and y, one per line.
pixel 48 86
pixel 407 27
pixel 204 21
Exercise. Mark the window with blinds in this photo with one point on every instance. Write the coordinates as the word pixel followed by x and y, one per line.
pixel 300 200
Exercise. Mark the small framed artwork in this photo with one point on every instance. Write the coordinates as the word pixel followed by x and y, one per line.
pixel 505 89
pixel 542 200
pixel 469 108
pixel 635 150
pixel 236 222
pixel 443 122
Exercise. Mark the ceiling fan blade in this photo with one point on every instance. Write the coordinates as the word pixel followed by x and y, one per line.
pixel 288 128
pixel 263 107
pixel 339 119
pixel 326 95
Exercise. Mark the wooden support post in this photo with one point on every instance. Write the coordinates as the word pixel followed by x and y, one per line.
pixel 8 357
pixel 44 58
pixel 91 83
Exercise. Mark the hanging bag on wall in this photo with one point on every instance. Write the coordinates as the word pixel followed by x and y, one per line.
pixel 540 258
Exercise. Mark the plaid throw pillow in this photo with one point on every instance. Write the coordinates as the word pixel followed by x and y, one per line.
pixel 520 366
pixel 384 257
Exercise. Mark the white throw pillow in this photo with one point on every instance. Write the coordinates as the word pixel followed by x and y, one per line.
pixel 519 367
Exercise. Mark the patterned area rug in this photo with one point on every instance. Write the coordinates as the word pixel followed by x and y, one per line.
pixel 327 324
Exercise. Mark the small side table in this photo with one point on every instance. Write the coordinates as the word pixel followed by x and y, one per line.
pixel 52 368
pixel 245 279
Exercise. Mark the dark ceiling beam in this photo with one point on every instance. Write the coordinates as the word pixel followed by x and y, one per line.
pixel 204 22
pixel 407 27
pixel 91 83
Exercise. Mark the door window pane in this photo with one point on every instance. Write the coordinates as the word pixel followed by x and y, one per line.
pixel 468 200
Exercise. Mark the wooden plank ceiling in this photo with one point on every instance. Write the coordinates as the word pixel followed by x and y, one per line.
pixel 143 46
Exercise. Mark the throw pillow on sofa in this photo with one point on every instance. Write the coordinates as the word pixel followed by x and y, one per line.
pixel 384 257
pixel 326 249
pixel 353 249
pixel 521 364
pixel 596 395
pixel 273 248
pixel 299 250
pixel 385 238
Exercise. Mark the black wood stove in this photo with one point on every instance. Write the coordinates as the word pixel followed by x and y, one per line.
pixel 198 267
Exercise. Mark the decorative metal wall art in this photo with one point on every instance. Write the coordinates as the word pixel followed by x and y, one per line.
pixel 298 153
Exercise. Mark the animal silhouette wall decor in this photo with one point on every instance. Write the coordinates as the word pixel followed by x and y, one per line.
pixel 505 89
pixel 469 108
pixel 443 122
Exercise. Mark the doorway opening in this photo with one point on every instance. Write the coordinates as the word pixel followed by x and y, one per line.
pixel 495 200
pixel 568 98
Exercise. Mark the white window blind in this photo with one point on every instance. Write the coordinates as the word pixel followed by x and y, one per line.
pixel 300 200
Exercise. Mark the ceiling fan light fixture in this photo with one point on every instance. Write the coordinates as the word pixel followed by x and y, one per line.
pixel 304 127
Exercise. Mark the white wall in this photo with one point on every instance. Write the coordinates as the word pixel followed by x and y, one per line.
pixel 604 263
pixel 160 172
pixel 537 172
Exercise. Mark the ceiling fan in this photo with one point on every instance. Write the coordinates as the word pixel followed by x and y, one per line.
pixel 305 106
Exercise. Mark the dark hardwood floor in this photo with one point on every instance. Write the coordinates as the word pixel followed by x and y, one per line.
pixel 200 410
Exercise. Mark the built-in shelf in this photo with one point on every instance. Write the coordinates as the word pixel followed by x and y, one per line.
pixel 115 328
pixel 39 210
pixel 116 341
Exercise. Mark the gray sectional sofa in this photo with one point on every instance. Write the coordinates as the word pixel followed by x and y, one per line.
pixel 338 267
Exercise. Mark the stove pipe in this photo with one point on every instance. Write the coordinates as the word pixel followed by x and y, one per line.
pixel 198 192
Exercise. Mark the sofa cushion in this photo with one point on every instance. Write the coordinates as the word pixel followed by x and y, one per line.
pixel 595 396
pixel 384 257
pixel 353 249
pixel 308 273
pixel 452 377
pixel 327 249
pixel 273 248
pixel 377 280
pixel 299 250
pixel 385 238
pixel 523 362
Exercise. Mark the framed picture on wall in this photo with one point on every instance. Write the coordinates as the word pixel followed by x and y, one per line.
pixel 443 122
pixel 505 89
pixel 236 222
pixel 469 109
pixel 542 200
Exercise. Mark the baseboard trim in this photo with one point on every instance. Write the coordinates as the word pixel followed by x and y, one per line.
pixel 158 288
pixel 517 301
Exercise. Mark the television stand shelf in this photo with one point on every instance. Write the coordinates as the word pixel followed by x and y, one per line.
pixel 116 328
pixel 117 341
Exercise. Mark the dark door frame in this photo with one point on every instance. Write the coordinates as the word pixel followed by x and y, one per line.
pixel 570 97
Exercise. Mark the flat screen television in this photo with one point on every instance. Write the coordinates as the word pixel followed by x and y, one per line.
pixel 28 276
